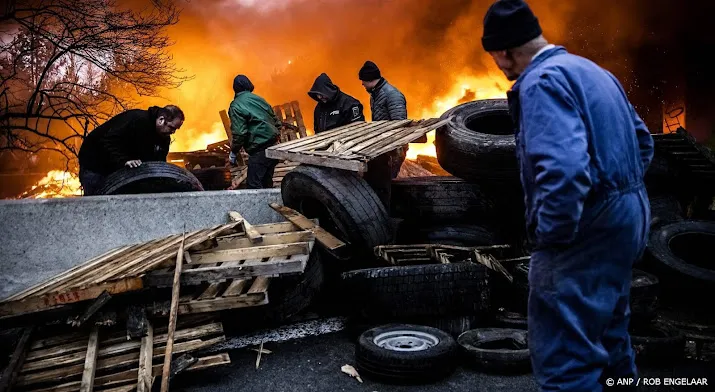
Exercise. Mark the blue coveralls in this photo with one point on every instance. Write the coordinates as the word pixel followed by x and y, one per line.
pixel 583 152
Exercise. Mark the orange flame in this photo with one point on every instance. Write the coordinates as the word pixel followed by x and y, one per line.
pixel 56 184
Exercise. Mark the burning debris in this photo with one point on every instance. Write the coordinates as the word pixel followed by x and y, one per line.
pixel 56 184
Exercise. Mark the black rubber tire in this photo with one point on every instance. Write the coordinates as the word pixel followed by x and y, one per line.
pixel 449 234
pixel 673 270
pixel 405 367
pixel 507 319
pixel 454 326
pixel 150 177
pixel 213 178
pixel 290 295
pixel 657 343
pixel 439 199
pixel 664 209
pixel 478 143
pixel 644 296
pixel 345 205
pixel 458 289
pixel 497 349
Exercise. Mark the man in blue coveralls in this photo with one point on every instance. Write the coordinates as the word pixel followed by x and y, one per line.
pixel 582 152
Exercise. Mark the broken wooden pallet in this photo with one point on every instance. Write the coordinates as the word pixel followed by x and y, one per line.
pixel 350 147
pixel 690 157
pixel 116 271
pixel 65 362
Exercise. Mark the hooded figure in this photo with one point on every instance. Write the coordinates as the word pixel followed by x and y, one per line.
pixel 254 127
pixel 335 108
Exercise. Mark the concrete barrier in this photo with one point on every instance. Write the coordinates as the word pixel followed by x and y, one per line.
pixel 42 238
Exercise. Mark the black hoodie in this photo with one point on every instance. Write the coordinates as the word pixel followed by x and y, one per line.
pixel 341 109
pixel 126 136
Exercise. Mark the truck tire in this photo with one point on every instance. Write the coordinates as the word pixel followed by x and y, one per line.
pixel 405 354
pixel 439 199
pixel 478 143
pixel 497 349
pixel 679 254
pixel 664 209
pixel 150 177
pixel 445 290
pixel 451 234
pixel 345 206
pixel 657 343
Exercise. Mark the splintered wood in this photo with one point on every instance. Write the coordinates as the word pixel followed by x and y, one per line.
pixel 107 361
pixel 350 147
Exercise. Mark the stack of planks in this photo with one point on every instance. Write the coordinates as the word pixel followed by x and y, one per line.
pixel 104 360
pixel 350 147
pixel 687 155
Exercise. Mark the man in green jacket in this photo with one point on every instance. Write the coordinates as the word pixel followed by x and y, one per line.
pixel 254 126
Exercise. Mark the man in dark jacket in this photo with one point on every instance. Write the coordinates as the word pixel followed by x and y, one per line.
pixel 127 139
pixel 254 127
pixel 386 103
pixel 335 108
pixel 583 152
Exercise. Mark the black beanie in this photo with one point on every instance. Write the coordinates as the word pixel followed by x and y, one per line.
pixel 242 83
pixel 509 24
pixel 369 72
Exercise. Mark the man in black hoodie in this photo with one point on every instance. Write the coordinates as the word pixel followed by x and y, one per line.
pixel 335 108
pixel 127 139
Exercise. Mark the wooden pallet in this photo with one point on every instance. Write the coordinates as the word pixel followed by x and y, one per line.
pixel 116 271
pixel 290 115
pixel 350 147
pixel 684 152
pixel 105 359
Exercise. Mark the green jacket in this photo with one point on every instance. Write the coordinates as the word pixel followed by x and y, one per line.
pixel 253 123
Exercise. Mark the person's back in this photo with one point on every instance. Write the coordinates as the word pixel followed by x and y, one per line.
pixel 260 120
pixel 615 165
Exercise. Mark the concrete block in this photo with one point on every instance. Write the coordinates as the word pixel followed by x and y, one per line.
pixel 42 238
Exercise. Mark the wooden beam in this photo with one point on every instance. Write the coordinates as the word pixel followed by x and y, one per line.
pixel 251 233
pixel 16 360
pixel 92 309
pixel 172 318
pixel 256 252
pixel 90 361
pixel 226 126
pixel 328 240
pixel 146 355
pixel 36 304
pixel 269 239
pixel 235 288
pixel 325 161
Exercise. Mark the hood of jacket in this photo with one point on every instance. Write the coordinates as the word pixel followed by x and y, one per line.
pixel 324 86
pixel 241 83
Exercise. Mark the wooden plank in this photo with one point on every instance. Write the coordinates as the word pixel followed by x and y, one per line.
pixel 373 129
pixel 400 139
pixel 356 166
pixel 299 119
pixel 92 309
pixel 112 362
pixel 90 361
pixel 260 285
pixel 251 233
pixel 248 269
pixel 223 303
pixel 370 139
pixel 268 240
pixel 256 252
pixel 146 355
pixel 235 288
pixel 210 291
pixel 122 347
pixel 333 134
pixel 130 375
pixel 172 318
pixel 35 304
pixel 17 359
pixel 321 235
pixel 226 126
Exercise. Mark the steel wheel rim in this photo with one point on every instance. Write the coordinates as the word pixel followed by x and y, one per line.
pixel 406 340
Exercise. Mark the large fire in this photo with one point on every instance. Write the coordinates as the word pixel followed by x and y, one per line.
pixel 56 184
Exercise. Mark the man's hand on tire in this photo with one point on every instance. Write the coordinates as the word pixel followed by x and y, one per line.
pixel 133 163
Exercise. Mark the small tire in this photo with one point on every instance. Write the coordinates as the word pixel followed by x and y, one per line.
pixel 657 343
pixel 405 354
pixel 478 143
pixel 440 290
pixel 439 199
pixel 507 319
pixel 150 177
pixel 502 350
pixel 345 206
pixel 644 296
pixel 449 234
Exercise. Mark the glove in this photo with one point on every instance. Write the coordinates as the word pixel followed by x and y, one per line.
pixel 232 158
